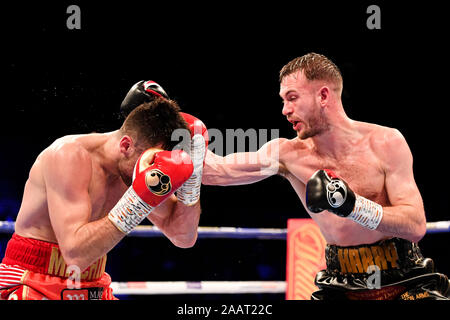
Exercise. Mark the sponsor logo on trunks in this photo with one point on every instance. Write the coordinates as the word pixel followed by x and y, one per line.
pixel 414 295
pixel 82 294
pixel 386 293
pixel 358 260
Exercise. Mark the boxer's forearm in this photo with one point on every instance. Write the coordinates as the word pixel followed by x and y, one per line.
pixel 403 221
pixel 178 222
pixel 90 242
pixel 182 225
pixel 237 169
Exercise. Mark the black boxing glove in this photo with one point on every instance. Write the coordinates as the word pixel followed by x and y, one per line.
pixel 143 91
pixel 326 191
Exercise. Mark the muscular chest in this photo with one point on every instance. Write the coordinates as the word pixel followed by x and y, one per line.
pixel 104 195
pixel 362 172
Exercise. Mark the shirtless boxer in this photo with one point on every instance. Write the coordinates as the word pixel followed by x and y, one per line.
pixel 356 181
pixel 85 193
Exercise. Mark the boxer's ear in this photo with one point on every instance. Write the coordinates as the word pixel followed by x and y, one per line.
pixel 324 96
pixel 126 145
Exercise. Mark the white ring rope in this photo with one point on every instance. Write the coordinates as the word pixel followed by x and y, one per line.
pixel 231 232
pixel 197 287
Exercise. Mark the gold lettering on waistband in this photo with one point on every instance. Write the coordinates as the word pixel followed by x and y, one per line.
pixel 344 261
pixel 355 262
pixel 57 266
pixel 391 255
pixel 102 268
pixel 84 274
pixel 93 269
pixel 379 258
pixel 366 257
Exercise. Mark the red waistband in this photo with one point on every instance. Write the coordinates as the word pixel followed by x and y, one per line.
pixel 45 257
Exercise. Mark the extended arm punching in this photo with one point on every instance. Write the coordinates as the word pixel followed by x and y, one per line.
pixel 243 167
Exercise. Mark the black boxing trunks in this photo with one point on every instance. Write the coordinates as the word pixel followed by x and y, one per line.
pixel 392 269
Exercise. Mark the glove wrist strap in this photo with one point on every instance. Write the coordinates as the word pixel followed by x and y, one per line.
pixel 366 212
pixel 129 211
pixel 189 192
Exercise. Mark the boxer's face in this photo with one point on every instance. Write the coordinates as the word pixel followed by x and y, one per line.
pixel 126 166
pixel 130 152
pixel 300 105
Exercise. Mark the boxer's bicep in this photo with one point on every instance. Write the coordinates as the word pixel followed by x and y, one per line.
pixel 67 173
pixel 404 216
pixel 399 176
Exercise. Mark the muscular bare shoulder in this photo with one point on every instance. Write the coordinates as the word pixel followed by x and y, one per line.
pixel 65 158
pixel 384 139
pixel 68 149
pixel 389 145
pixel 291 150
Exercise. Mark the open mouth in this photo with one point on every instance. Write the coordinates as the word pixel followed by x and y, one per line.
pixel 295 124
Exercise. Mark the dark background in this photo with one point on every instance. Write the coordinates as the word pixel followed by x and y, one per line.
pixel 220 62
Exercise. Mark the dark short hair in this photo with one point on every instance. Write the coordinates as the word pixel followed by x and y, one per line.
pixel 154 122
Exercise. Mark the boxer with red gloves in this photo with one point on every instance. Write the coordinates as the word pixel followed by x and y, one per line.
pixel 156 176
pixel 85 193
pixel 144 91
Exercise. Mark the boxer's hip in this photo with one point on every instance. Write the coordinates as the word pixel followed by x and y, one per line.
pixel 35 269
pixel 389 269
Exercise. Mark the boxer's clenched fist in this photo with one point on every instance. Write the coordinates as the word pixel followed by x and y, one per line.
pixel 156 176
pixel 326 191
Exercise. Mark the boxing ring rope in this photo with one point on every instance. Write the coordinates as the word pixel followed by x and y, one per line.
pixel 212 287
pixel 197 287
pixel 231 232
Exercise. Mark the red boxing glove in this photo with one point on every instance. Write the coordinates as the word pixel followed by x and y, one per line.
pixel 197 127
pixel 155 182
pixel 189 193
pixel 156 176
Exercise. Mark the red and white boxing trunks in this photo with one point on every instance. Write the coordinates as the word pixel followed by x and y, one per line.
pixel 35 270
